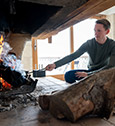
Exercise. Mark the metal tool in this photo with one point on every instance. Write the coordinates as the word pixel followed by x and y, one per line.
pixel 39 73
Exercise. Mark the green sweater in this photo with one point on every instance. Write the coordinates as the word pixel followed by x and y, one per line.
pixel 101 56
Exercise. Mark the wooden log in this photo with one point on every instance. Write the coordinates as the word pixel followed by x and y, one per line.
pixel 92 95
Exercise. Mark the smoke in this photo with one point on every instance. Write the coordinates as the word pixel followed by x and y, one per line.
pixel 10 60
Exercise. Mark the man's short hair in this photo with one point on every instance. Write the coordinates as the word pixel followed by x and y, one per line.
pixel 105 23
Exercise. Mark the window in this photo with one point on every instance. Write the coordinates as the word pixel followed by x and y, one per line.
pixel 82 32
pixel 60 47
pixel 51 52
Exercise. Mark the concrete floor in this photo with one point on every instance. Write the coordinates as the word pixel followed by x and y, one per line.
pixel 34 116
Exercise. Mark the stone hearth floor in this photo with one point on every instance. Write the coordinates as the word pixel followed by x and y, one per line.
pixel 32 115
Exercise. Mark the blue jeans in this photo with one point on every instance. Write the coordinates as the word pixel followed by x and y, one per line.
pixel 70 76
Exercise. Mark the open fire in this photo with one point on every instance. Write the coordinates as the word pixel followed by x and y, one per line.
pixel 3 84
pixel 11 73
pixel 1 44
pixel 15 83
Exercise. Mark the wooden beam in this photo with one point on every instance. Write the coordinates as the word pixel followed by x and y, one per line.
pixel 91 8
pixel 50 39
pixel 99 16
pixel 34 53
pixel 58 18
pixel 71 45
pixel 87 10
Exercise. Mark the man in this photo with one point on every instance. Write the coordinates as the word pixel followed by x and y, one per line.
pixel 101 50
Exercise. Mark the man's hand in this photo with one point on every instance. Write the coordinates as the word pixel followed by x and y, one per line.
pixel 81 74
pixel 50 67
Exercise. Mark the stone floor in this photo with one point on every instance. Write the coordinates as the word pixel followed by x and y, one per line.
pixel 33 115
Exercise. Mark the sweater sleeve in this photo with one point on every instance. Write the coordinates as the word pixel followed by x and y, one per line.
pixel 72 56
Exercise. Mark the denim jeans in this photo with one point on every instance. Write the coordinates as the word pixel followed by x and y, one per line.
pixel 70 76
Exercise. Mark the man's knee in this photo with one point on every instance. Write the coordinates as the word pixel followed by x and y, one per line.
pixel 69 77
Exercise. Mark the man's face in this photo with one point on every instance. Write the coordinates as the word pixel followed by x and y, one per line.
pixel 100 33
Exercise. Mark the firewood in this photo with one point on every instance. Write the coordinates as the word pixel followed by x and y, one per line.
pixel 24 89
pixel 92 95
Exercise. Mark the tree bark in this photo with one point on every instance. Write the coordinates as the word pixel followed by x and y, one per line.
pixel 92 95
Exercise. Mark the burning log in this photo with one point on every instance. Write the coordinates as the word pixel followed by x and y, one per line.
pixel 13 80
pixel 19 84
pixel 11 76
pixel 93 95
pixel 24 89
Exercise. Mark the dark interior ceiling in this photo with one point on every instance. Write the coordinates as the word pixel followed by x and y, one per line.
pixel 43 18
pixel 24 17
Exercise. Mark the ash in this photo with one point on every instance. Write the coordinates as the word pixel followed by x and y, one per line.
pixel 23 100
pixel 12 102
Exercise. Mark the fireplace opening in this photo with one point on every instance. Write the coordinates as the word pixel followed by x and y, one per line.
pixel 18 16
pixel 14 81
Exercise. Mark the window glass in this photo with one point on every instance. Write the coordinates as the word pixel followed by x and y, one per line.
pixel 82 32
pixel 51 52
pixel 60 47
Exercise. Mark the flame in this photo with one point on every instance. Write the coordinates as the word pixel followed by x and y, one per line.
pixel 1 39
pixel 1 43
pixel 5 85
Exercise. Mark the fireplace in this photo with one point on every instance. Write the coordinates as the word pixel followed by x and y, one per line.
pixel 14 81
pixel 20 19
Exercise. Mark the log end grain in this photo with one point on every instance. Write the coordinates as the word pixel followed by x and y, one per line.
pixel 44 102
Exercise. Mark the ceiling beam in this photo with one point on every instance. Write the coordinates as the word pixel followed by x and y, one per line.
pixel 87 10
